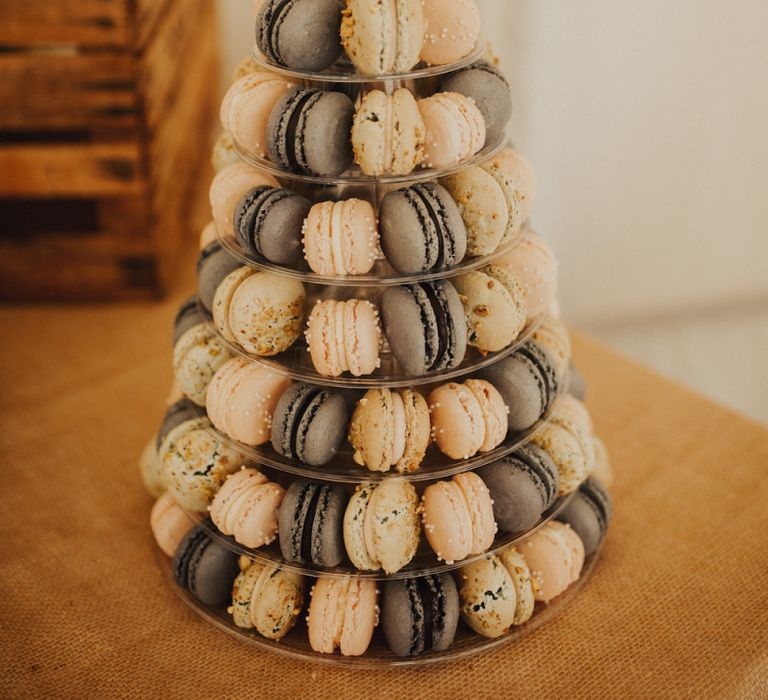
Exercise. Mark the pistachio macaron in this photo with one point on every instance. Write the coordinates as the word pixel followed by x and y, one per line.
pixel 571 449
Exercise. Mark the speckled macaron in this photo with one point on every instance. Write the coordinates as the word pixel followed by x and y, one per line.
pixel 570 448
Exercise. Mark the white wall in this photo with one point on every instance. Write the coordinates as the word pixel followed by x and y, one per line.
pixel 647 123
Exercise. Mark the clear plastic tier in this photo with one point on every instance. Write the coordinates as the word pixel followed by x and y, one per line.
pixel 425 562
pixel 295 644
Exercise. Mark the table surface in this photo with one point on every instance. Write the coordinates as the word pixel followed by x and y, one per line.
pixel 678 605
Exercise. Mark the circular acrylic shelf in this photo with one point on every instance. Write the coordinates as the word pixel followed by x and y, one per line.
pixel 296 363
pixel 343 185
pixel 381 275
pixel 425 562
pixel 343 71
pixel 343 469
pixel 295 644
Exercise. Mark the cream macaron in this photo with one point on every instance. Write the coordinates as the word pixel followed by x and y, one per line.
pixel 381 525
pixel 458 517
pixel 343 613
pixel 344 336
pixel 242 398
pixel 262 312
pixel 246 508
pixel 390 430
pixel 454 129
pixel 571 449
pixel 266 598
pixel 517 167
pixel 224 153
pixel 467 418
pixel 169 523
pixel 555 557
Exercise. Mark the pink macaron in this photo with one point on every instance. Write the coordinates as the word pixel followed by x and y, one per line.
pixel 467 418
pixel 452 30
pixel 344 336
pixel 242 398
pixel 246 508
pixel 455 129
pixel 534 264
pixel 341 238
pixel 555 557
pixel 228 188
pixel 521 172
pixel 342 615
pixel 169 523
pixel 458 517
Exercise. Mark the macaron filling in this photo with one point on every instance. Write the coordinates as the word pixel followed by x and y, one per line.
pixel 399 432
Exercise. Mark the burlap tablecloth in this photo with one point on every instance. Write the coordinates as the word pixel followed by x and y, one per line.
pixel 677 607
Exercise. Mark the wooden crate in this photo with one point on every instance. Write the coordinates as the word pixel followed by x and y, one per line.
pixel 107 107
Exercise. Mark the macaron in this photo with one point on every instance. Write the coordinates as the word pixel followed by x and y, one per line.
pixel 224 152
pixel 344 336
pixel 528 383
pixel 266 598
pixel 342 615
pixel 309 132
pixel 452 30
pixel 571 449
pixel 310 523
pixel 213 265
pixel 555 556
pixel 422 229
pixel 495 307
pixel 309 424
pixel 523 485
pixel 515 564
pixel 516 166
pixel 268 223
pixel 197 352
pixel 246 107
pixel 169 523
pixel 602 469
pixel 227 189
pixel 534 263
pixel 490 91
pixel 467 418
pixel 552 335
pixel 150 469
pixel 194 461
pixel 514 209
pixel 246 508
pixel 381 525
pixel 204 567
pixel 425 326
pixel 570 407
pixel 262 312
pixel 383 37
pixel 388 132
pixel 242 398
pixel 208 235
pixel 483 206
pixel 588 513
pixel 458 517
pixel 180 411
pixel 420 615
pixel 300 34
pixel 390 430
pixel 455 129
pixel 341 238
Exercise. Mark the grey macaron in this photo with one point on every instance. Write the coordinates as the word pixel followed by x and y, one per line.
pixel 588 513
pixel 179 413
pixel 310 523
pixel 421 229
pixel 420 615
pixel 204 567
pixel 213 265
pixel 301 34
pixel 309 424
pixel 268 224
pixel 527 381
pixel 490 91
pixel 522 485
pixel 425 326
pixel 308 132
pixel 188 316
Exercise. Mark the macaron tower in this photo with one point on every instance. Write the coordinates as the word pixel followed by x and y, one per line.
pixel 370 450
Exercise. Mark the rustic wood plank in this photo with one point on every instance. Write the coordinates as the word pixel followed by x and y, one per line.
pixel 89 170
pixel 82 22
pixel 147 17
pixel 68 90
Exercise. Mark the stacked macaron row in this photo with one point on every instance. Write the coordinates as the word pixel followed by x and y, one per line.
pixel 378 38
pixel 415 616
pixel 314 131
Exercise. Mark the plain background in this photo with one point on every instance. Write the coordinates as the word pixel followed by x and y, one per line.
pixel 647 124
